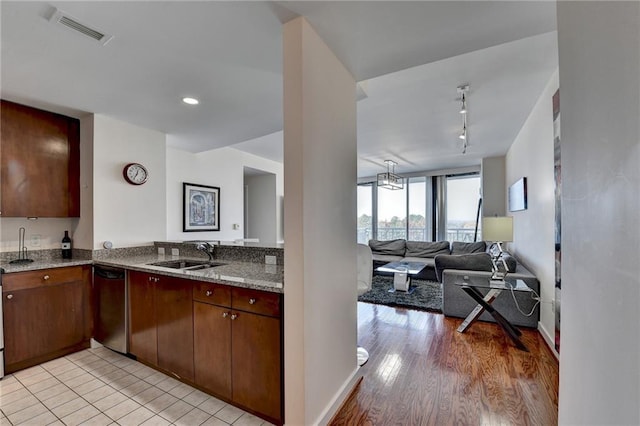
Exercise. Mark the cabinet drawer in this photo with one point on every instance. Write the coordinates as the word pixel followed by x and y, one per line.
pixel 214 294
pixel 259 302
pixel 22 280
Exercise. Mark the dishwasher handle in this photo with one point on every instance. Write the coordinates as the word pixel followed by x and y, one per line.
pixel 109 273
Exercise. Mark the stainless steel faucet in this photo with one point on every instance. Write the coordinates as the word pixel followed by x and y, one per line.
pixel 208 248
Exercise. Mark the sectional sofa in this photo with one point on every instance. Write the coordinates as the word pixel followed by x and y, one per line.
pixel 425 252
pixel 448 263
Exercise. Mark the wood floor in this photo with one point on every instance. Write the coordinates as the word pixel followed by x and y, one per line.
pixel 422 372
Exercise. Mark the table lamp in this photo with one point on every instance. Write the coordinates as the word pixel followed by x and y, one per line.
pixel 498 230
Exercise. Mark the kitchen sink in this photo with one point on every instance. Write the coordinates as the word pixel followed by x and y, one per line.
pixel 189 265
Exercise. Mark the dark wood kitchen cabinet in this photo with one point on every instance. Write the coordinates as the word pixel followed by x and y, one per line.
pixel 143 333
pixel 256 347
pixel 39 163
pixel 212 348
pixel 174 316
pixel 47 314
pixel 161 322
pixel 238 347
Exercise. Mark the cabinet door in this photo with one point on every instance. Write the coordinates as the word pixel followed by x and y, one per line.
pixel 174 313
pixel 212 348
pixel 40 322
pixel 40 163
pixel 257 366
pixel 143 336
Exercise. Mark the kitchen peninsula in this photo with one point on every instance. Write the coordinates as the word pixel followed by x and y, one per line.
pixel 218 328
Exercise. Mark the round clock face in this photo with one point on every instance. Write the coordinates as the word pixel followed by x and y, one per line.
pixel 135 173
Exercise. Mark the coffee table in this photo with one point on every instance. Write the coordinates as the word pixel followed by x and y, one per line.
pixel 400 270
pixel 470 285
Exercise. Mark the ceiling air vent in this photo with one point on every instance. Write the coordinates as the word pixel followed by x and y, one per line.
pixel 61 18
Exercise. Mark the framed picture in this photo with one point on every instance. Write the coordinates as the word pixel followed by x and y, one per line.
pixel 201 207
pixel 518 195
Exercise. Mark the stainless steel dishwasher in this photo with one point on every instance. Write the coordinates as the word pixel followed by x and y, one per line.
pixel 110 287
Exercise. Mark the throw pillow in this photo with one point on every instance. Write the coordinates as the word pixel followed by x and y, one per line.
pixel 392 247
pixel 426 248
pixel 458 247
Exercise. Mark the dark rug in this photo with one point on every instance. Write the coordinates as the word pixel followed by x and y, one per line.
pixel 427 295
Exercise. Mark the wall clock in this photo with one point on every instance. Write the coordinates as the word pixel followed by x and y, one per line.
pixel 135 173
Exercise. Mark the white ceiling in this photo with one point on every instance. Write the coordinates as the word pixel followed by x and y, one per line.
pixel 229 55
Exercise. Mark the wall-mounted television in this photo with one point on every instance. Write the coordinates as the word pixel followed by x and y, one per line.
pixel 518 195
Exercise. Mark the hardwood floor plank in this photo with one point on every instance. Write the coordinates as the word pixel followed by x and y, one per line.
pixel 421 371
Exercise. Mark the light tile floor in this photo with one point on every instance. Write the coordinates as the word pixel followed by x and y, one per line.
pixel 102 387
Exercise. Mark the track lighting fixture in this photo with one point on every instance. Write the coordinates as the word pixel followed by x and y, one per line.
pixel 463 109
pixel 464 136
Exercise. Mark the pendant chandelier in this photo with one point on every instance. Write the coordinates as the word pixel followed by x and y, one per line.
pixel 389 179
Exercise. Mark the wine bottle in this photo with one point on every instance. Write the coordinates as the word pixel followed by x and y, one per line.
pixel 66 246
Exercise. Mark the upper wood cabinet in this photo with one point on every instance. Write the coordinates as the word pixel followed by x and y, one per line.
pixel 40 163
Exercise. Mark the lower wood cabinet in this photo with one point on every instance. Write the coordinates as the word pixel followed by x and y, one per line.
pixel 212 348
pixel 143 332
pixel 256 361
pixel 47 314
pixel 161 322
pixel 225 340
pixel 174 316
pixel 238 347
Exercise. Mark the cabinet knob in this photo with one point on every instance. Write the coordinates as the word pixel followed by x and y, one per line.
pixel 9 296
pixel 252 301
pixel 225 314
pixel 234 316
pixel 46 277
pixel 209 293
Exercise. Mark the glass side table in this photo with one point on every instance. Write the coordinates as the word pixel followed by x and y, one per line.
pixel 470 285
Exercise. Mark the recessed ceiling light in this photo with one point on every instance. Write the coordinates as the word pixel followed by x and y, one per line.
pixel 190 101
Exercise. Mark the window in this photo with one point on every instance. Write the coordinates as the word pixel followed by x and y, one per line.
pixel 462 197
pixel 365 213
pixel 417 205
pixel 392 214
pixel 429 208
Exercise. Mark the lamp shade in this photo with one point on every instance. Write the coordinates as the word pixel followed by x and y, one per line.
pixel 497 228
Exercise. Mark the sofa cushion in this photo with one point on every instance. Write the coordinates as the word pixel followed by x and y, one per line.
pixel 426 248
pixel 428 261
pixel 385 258
pixel 392 247
pixel 458 247
pixel 473 261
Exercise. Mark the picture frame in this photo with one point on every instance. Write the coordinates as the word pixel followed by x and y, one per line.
pixel 518 195
pixel 200 207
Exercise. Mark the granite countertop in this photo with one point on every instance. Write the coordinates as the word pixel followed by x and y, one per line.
pixel 258 276
pixel 43 264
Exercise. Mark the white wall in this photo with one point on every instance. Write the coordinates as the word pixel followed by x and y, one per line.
pixel 531 155
pixel 223 168
pixel 493 186
pixel 48 230
pixel 262 205
pixel 320 209
pixel 125 214
pixel 599 57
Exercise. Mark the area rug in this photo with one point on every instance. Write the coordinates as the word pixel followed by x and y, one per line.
pixel 427 295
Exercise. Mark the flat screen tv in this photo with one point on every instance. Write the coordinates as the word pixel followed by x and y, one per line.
pixel 518 195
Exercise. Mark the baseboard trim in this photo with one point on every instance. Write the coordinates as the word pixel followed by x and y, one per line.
pixel 550 341
pixel 340 397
